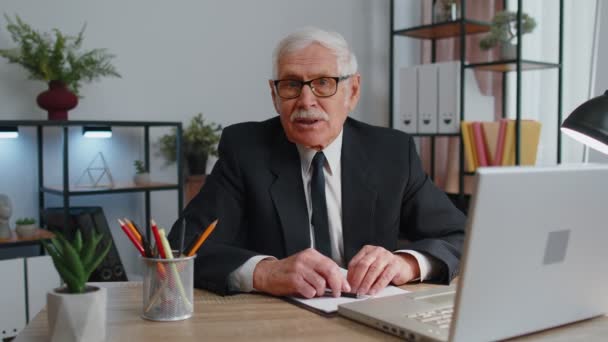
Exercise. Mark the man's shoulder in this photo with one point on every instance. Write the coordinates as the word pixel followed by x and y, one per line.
pixel 255 126
pixel 376 133
pixel 252 131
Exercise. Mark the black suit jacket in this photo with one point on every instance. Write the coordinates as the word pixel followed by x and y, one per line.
pixel 256 191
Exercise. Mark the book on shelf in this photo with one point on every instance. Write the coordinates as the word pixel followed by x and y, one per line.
pixel 493 143
pixel 469 154
pixel 500 143
pixel 508 157
pixel 480 144
pixel 490 132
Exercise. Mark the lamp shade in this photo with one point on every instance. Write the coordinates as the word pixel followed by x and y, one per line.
pixel 588 123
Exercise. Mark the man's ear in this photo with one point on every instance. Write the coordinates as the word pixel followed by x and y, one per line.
pixel 274 97
pixel 354 85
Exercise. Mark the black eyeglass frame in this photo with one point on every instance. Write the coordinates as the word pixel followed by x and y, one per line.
pixel 309 84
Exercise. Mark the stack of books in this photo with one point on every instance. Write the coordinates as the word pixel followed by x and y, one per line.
pixel 493 143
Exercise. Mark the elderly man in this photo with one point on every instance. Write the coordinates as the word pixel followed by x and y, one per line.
pixel 309 192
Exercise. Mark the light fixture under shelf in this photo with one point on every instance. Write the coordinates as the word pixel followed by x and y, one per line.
pixel 97 131
pixel 9 132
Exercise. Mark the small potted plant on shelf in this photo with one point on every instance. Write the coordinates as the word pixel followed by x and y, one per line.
pixel 56 59
pixel 142 177
pixel 504 30
pixel 26 227
pixel 77 311
pixel 199 141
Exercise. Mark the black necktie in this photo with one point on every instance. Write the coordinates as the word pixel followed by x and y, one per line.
pixel 319 206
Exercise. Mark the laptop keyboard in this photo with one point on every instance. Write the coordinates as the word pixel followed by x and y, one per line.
pixel 440 318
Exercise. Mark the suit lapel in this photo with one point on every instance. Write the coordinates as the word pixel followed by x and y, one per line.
pixel 358 196
pixel 287 192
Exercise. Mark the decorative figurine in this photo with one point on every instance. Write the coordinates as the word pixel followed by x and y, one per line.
pixel 6 209
pixel 96 171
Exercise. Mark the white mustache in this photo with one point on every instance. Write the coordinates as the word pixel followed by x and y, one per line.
pixel 309 114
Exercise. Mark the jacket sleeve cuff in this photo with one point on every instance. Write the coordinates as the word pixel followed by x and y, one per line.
pixel 428 266
pixel 241 279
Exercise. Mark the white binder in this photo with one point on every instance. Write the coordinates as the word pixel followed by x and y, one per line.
pixel 427 98
pixel 407 118
pixel 42 278
pixel 12 297
pixel 478 107
pixel 449 97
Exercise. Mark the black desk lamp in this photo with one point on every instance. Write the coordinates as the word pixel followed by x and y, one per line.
pixel 588 123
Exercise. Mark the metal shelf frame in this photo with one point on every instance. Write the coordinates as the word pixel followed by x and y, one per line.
pixel 66 192
pixel 459 29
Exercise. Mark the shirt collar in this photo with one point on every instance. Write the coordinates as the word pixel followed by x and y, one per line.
pixel 332 152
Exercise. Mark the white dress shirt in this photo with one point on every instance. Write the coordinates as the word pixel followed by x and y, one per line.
pixel 241 279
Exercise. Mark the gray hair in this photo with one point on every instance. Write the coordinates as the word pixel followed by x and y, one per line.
pixel 346 60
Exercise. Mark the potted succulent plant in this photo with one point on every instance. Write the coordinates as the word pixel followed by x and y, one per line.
pixel 56 59
pixel 504 30
pixel 26 227
pixel 142 177
pixel 199 141
pixel 77 311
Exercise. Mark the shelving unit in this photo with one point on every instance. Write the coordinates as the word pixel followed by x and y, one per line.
pixel 67 190
pixel 460 29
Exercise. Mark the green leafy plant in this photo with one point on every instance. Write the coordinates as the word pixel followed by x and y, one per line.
pixel 25 221
pixel 199 139
pixel 76 260
pixel 504 29
pixel 56 57
pixel 139 167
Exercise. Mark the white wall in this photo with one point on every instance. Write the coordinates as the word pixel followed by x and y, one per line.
pixel 177 58
pixel 600 71
pixel 539 88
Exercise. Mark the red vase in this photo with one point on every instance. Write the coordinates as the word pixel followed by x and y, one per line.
pixel 57 100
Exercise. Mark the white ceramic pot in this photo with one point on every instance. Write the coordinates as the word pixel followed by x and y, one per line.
pixel 508 51
pixel 77 317
pixel 142 178
pixel 26 230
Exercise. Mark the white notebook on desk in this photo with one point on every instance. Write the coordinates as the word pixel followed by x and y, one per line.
pixel 329 305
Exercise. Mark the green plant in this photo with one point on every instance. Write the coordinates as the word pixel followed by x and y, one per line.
pixel 25 221
pixel 199 138
pixel 77 259
pixel 139 167
pixel 56 56
pixel 504 28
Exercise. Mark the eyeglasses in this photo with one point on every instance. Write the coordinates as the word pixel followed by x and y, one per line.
pixel 321 87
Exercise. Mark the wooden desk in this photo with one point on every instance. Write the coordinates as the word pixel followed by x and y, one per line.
pixel 248 317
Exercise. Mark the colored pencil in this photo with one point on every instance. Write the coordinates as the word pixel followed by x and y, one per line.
pixel 159 243
pixel 201 239
pixel 131 226
pixel 133 239
pixel 144 241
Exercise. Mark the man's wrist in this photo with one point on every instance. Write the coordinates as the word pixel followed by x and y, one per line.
pixel 411 261
pixel 259 274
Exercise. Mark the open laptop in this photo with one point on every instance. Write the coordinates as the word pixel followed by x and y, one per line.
pixel 534 257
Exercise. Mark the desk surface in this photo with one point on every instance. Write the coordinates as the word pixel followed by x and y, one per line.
pixel 256 317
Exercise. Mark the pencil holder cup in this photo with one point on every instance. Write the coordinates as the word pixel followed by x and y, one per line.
pixel 167 288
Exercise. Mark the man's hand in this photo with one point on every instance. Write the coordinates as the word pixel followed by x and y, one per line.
pixel 373 268
pixel 307 274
